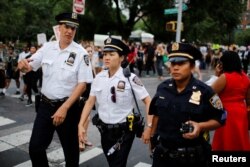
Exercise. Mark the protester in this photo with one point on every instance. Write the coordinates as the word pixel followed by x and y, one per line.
pixel 30 80
pixel 140 59
pixel 233 88
pixel 159 53
pixel 66 71
pixel 132 57
pixel 21 56
pixel 149 59
pixel 12 71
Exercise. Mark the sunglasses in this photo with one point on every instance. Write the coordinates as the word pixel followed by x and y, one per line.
pixel 112 91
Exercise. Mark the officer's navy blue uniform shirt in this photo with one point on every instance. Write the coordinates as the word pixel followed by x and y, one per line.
pixel 197 102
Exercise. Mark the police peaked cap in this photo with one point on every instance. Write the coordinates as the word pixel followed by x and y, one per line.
pixel 70 19
pixel 115 45
pixel 178 52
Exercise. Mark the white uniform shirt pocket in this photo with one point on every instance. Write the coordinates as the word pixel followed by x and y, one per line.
pixel 47 67
pixel 69 73
pixel 123 98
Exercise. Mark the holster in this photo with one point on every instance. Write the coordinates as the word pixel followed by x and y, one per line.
pixel 137 124
pixel 97 122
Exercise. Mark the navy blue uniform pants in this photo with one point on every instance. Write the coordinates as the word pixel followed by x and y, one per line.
pixel 161 158
pixel 44 129
pixel 119 157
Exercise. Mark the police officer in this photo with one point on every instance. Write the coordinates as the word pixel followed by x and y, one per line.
pixel 112 92
pixel 66 71
pixel 184 109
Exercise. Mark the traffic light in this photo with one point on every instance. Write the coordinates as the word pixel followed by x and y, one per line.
pixel 172 26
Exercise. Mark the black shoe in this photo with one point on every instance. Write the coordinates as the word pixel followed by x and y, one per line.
pixel 21 98
pixel 17 93
pixel 2 94
pixel 29 103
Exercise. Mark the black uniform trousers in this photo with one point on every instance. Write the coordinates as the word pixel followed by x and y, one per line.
pixel 109 138
pixel 163 157
pixel 44 129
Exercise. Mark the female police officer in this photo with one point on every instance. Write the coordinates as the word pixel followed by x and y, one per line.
pixel 184 109
pixel 112 92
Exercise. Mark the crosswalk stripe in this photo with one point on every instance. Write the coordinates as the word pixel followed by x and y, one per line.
pixel 5 121
pixel 57 156
pixel 4 146
pixel 141 164
pixel 17 139
pixel 85 156
pixel 25 164
pixel 54 156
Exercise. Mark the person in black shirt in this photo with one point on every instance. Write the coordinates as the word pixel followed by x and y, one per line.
pixel 184 109
pixel 30 79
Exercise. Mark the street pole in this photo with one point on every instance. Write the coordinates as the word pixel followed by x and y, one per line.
pixel 179 20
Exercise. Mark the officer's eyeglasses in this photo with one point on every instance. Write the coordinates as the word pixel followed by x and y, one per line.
pixel 112 91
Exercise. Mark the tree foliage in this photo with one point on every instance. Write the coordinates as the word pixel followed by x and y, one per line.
pixel 204 21
pixel 243 37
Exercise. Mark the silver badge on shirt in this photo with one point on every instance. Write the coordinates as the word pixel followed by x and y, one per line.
pixel 71 59
pixel 121 86
pixel 195 98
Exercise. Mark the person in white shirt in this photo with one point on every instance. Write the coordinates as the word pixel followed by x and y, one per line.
pixel 112 92
pixel 66 70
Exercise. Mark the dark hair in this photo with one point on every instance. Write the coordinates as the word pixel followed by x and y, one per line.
pixel 231 62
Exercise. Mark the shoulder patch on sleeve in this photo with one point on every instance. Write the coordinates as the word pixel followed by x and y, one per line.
pixel 216 102
pixel 86 59
pixel 137 81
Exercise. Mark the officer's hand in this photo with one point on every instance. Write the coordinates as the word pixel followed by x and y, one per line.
pixel 146 135
pixel 81 134
pixel 195 133
pixel 24 65
pixel 59 115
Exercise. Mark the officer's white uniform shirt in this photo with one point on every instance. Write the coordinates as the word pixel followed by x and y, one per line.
pixel 110 112
pixel 59 77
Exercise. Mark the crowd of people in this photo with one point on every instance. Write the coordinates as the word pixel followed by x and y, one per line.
pixel 182 112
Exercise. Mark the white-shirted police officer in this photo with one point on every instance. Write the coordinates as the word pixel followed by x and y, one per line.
pixel 66 71
pixel 112 92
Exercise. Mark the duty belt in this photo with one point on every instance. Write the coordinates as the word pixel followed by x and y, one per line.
pixel 52 102
pixel 182 152
pixel 114 126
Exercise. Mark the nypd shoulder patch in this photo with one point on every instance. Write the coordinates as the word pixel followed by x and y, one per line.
pixel 216 102
pixel 86 59
pixel 137 81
